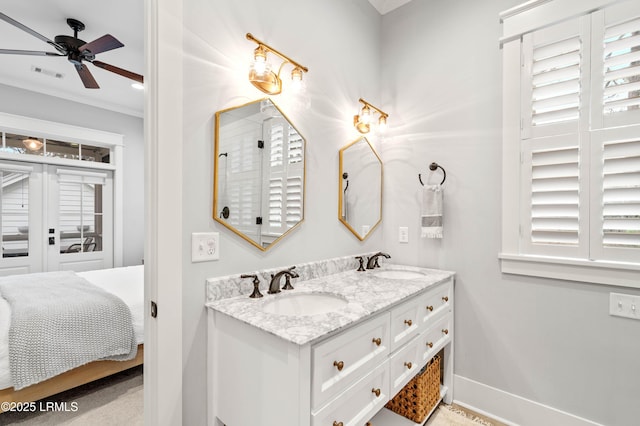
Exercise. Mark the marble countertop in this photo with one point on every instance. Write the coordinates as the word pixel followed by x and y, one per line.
pixel 366 294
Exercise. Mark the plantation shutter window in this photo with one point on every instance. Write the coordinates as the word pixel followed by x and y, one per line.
pixel 571 142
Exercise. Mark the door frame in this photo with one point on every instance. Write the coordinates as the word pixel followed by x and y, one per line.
pixel 18 124
pixel 163 123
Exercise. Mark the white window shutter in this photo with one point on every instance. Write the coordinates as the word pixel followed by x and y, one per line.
pixel 622 67
pixel 616 191
pixel 616 66
pixel 554 200
pixel 553 64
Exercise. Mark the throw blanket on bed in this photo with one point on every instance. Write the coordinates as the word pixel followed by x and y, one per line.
pixel 60 321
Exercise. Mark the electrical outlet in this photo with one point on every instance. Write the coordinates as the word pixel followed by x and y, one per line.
pixel 403 234
pixel 205 246
pixel 624 305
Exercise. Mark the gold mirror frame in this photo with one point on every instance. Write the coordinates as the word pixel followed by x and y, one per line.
pixel 293 151
pixel 360 180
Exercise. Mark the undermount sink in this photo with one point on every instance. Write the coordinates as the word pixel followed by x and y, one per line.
pixel 304 304
pixel 398 274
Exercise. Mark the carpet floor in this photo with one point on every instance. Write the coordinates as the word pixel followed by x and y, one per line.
pixel 118 400
pixel 113 401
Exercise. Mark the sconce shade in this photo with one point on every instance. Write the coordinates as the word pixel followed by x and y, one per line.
pixel 382 123
pixel 32 144
pixel 267 82
pixel 362 121
pixel 365 115
pixel 261 75
pixel 360 125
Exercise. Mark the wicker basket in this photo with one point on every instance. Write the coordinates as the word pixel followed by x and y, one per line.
pixel 416 400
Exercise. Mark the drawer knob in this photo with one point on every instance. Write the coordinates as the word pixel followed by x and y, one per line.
pixel 339 365
pixel 408 322
pixel 430 344
pixel 445 298
pixel 338 424
pixel 430 308
pixel 377 341
pixel 376 391
pixel 408 365
pixel 445 331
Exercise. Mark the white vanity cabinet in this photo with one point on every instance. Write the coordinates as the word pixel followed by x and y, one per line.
pixel 344 359
pixel 343 378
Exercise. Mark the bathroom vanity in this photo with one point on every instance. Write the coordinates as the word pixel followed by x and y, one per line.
pixel 332 351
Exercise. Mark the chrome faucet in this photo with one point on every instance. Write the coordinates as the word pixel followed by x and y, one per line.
pixel 274 284
pixel 373 260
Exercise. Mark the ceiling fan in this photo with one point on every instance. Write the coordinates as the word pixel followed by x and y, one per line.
pixel 75 50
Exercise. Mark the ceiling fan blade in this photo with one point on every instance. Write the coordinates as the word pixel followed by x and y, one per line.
pixel 86 77
pixel 120 71
pixel 24 28
pixel 102 44
pixel 29 52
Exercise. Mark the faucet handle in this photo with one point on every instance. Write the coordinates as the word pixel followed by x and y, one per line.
pixel 287 278
pixel 256 284
pixel 361 266
pixel 287 282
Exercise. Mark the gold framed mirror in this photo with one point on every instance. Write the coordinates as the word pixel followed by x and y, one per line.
pixel 259 177
pixel 360 188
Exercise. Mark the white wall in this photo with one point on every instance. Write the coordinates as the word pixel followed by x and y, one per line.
pixel 44 107
pixel 338 40
pixel 548 341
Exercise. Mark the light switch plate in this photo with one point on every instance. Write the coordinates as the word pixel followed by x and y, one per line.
pixel 205 246
pixel 403 234
pixel 624 305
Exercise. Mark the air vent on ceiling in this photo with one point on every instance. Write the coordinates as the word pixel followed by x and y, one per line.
pixel 44 71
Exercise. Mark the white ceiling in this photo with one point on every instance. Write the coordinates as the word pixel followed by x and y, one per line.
pixel 123 19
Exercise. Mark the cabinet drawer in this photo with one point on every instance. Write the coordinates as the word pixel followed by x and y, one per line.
pixel 403 365
pixel 435 337
pixel 342 360
pixel 405 322
pixel 358 403
pixel 435 302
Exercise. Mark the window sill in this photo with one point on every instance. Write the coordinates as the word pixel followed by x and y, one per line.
pixel 598 272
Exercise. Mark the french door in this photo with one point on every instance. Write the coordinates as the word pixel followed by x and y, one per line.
pixel 55 218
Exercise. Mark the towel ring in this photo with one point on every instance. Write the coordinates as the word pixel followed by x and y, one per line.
pixel 434 166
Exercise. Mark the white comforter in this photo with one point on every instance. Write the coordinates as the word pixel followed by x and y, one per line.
pixel 127 283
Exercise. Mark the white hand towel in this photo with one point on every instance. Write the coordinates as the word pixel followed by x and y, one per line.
pixel 432 211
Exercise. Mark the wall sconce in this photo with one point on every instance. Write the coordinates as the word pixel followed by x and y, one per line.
pixel 32 144
pixel 362 121
pixel 261 75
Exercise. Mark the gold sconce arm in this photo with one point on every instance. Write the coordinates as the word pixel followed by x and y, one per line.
pixel 276 52
pixel 381 112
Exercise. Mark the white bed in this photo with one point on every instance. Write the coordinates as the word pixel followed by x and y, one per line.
pixel 127 283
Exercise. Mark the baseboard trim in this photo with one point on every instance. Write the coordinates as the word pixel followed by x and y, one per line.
pixel 508 408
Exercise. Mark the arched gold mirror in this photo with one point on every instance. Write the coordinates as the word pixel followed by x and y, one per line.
pixel 259 172
pixel 360 188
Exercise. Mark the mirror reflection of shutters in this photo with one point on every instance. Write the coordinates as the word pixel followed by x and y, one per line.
pixel 242 188
pixel 286 151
